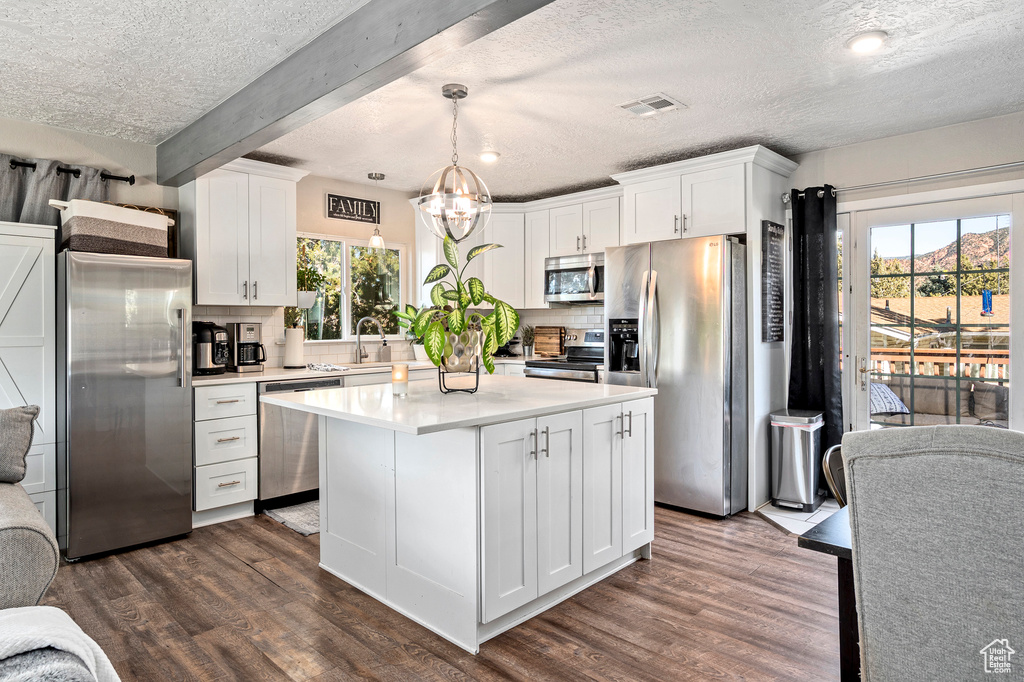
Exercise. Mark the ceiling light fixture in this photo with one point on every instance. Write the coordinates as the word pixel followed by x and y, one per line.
pixel 489 156
pixel 376 241
pixel 456 200
pixel 867 42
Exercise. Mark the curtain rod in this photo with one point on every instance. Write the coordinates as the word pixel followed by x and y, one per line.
pixel 74 171
pixel 786 198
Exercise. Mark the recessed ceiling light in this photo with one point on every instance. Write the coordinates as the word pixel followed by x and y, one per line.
pixel 867 42
pixel 489 157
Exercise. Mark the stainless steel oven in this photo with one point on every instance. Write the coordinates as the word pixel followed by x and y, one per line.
pixel 574 279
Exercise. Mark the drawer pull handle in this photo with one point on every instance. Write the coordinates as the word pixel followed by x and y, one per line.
pixel 225 402
pixel 228 440
pixel 225 485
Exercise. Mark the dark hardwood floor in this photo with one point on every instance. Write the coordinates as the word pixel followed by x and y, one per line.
pixel 245 600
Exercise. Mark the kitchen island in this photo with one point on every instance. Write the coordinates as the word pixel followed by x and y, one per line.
pixel 472 513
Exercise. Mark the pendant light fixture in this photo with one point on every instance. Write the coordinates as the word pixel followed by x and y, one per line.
pixel 376 241
pixel 455 200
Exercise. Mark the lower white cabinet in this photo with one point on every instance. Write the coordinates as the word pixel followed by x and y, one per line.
pixel 219 485
pixel 515 369
pixel 222 440
pixel 563 495
pixel 46 503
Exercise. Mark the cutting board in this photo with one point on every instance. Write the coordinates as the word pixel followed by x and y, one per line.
pixel 549 341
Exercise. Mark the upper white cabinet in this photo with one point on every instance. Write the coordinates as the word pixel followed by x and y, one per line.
pixel 697 197
pixel 567 230
pixel 537 248
pixel 587 227
pixel 238 227
pixel 504 267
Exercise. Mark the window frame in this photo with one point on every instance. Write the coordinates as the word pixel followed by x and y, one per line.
pixel 346 285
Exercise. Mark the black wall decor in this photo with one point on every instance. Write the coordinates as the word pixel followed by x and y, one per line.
pixel 773 280
pixel 352 208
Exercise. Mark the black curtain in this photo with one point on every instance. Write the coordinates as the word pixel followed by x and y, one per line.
pixel 814 379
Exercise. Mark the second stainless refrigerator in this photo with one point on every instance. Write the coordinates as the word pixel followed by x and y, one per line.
pixel 675 320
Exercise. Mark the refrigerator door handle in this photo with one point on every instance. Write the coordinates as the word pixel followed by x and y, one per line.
pixel 181 351
pixel 654 333
pixel 642 328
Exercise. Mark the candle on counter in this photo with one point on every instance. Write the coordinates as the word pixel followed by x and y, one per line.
pixel 399 379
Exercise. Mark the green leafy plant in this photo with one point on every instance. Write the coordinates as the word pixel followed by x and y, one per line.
pixel 451 310
pixel 309 278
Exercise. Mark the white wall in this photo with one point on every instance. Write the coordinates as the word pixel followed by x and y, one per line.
pixel 34 140
pixel 975 144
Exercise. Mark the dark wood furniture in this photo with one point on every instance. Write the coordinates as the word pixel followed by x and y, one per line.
pixel 832 536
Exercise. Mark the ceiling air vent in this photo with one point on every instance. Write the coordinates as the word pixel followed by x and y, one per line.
pixel 652 104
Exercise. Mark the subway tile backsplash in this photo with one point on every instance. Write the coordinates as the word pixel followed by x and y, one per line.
pixel 272 321
pixel 578 317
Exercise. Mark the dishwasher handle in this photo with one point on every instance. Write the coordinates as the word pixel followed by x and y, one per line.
pixel 298 386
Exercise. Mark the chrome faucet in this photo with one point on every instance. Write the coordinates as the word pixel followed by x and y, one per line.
pixel 361 354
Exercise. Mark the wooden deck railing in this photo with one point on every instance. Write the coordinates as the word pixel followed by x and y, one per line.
pixel 976 363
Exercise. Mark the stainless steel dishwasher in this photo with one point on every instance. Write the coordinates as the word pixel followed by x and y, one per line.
pixel 289 441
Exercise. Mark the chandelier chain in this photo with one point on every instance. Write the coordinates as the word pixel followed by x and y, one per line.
pixel 455 135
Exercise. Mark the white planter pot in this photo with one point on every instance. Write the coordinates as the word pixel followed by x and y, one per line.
pixel 421 352
pixel 306 299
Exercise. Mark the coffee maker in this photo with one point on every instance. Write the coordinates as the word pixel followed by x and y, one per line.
pixel 624 346
pixel 210 351
pixel 247 352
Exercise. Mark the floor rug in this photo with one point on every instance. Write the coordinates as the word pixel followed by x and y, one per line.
pixel 302 518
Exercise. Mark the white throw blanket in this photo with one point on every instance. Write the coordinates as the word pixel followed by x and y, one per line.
pixel 36 627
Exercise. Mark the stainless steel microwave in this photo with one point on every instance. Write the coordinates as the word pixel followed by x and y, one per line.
pixel 574 279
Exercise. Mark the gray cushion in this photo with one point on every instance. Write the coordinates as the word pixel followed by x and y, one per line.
pixel 28 550
pixel 16 425
pixel 936 517
pixel 884 401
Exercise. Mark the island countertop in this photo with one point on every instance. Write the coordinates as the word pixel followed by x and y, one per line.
pixel 426 410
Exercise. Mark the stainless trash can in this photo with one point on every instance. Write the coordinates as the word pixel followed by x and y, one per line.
pixel 796 444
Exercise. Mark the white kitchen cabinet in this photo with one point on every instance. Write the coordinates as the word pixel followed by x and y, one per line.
pixel 509 466
pixel 238 228
pixel 368 379
pixel 652 210
pixel 602 486
pixel 428 254
pixel 27 352
pixel 714 202
pixel 637 474
pixel 566 230
pixel 503 268
pixel 600 225
pixel 224 445
pixel 224 400
pixel 559 500
pixel 515 369
pixel 226 483
pixel 537 249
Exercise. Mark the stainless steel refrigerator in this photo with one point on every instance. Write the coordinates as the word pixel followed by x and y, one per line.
pixel 124 395
pixel 675 319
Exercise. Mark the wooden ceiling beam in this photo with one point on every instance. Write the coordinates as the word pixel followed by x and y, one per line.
pixel 380 42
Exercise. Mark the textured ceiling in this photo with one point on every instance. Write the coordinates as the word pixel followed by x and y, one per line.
pixel 143 70
pixel 544 91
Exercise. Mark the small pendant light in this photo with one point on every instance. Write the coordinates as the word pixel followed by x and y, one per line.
pixel 376 241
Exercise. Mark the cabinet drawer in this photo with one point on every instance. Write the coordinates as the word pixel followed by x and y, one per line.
pixel 515 370
pixel 230 400
pixel 40 469
pixel 224 440
pixel 46 503
pixel 218 485
pixel 422 374
pixel 368 379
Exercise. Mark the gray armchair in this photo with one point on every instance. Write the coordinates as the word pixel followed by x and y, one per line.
pixel 937 527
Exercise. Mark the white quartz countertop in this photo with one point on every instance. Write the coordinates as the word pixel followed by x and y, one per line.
pixel 426 410
pixel 282 374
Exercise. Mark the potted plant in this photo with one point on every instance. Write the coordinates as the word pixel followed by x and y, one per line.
pixel 405 320
pixel 527 339
pixel 456 337
pixel 309 281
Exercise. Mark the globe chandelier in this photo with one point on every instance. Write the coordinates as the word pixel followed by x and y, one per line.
pixel 454 198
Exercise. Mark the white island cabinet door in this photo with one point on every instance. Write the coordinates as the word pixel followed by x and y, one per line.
pixel 559 500
pixel 602 486
pixel 222 238
pixel 638 474
pixel 509 516
pixel 271 239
